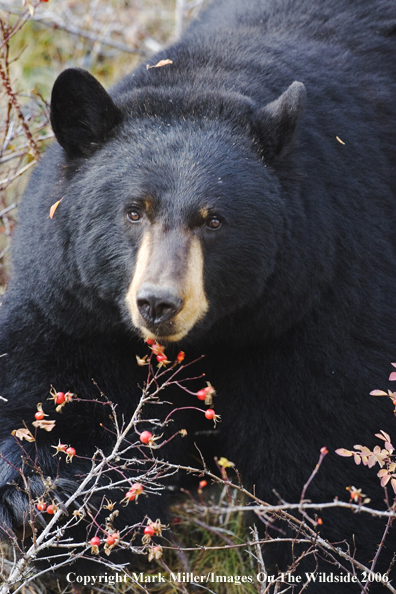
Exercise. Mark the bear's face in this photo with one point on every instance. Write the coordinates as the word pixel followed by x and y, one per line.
pixel 183 219
pixel 175 219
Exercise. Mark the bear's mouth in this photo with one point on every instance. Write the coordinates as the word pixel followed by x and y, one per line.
pixel 162 335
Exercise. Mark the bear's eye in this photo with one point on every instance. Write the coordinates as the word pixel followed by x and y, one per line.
pixel 133 216
pixel 213 223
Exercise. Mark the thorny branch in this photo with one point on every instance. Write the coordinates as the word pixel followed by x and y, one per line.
pixel 122 458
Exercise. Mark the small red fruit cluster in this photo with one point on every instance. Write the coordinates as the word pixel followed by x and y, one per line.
pixel 68 450
pixel 110 541
pixel 42 506
pixel 59 398
pixel 159 352
pixel 134 491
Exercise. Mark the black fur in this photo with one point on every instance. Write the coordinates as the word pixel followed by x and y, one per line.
pixel 300 278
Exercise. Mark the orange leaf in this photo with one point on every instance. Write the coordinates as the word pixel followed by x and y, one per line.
pixel 54 207
pixel 23 434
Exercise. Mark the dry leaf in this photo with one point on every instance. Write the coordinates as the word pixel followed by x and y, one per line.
pixel 386 436
pixel 225 463
pixel 54 207
pixel 23 434
pixel 143 361
pixel 159 64
pixel 344 452
pixel 43 424
pixel 339 140
pixel 385 480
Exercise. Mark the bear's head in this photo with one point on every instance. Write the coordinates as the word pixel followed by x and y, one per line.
pixel 172 199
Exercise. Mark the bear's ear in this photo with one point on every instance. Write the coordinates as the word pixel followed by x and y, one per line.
pixel 276 122
pixel 82 112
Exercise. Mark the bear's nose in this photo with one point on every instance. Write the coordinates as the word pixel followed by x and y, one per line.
pixel 158 305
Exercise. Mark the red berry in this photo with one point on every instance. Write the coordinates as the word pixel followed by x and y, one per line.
pixel 41 505
pixel 110 540
pixel 201 394
pixel 51 509
pixel 150 341
pixel 319 521
pixel 180 357
pixel 131 495
pixel 202 484
pixel 157 349
pixel 95 541
pixel 39 416
pixel 71 452
pixel 210 413
pixel 394 401
pixel 60 398
pixel 149 530
pixel 137 487
pixel 161 358
pixel 146 436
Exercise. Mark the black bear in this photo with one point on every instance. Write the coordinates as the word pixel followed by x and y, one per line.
pixel 236 199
